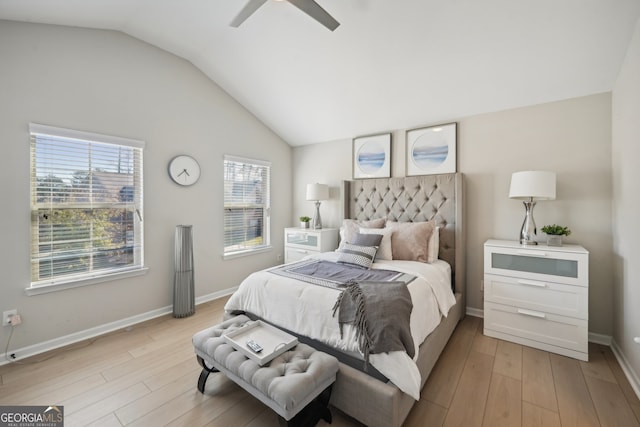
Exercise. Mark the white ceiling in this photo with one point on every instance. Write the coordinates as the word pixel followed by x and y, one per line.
pixel 390 65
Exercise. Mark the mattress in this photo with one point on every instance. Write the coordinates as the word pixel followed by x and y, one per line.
pixel 306 309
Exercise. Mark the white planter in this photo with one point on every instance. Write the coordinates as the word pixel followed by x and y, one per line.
pixel 304 224
pixel 554 240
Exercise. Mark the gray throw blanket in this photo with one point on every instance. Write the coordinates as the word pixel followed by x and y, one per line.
pixel 334 275
pixel 380 313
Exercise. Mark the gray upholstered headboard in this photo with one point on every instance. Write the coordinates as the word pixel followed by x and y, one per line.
pixel 415 198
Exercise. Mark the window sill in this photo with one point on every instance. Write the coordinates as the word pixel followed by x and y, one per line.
pixel 61 286
pixel 240 254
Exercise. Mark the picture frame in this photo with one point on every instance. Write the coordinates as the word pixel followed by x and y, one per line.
pixel 372 156
pixel 432 150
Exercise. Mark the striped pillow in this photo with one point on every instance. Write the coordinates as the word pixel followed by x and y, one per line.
pixel 359 256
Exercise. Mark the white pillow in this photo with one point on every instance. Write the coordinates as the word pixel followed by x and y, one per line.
pixel 433 248
pixel 384 251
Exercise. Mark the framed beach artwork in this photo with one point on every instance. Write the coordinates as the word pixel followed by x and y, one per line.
pixel 432 150
pixel 372 156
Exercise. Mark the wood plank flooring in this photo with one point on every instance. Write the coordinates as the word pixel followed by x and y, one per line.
pixel 146 376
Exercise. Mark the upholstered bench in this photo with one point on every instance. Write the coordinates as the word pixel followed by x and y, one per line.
pixel 296 384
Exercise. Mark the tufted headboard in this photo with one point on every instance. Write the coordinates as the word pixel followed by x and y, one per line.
pixel 412 199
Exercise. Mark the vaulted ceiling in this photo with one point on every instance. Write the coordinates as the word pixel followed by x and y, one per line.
pixel 389 65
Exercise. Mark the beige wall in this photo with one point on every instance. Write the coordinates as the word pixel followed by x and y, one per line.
pixel 572 138
pixel 626 207
pixel 107 82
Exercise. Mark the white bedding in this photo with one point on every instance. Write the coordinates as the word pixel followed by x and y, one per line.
pixel 306 309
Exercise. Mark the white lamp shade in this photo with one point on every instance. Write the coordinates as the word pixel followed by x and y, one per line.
pixel 539 185
pixel 317 192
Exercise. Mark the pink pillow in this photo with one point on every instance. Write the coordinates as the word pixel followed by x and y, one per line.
pixel 410 240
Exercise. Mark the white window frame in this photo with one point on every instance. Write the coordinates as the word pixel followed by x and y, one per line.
pixel 228 251
pixel 54 282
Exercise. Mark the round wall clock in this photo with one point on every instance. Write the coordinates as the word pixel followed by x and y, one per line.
pixel 184 170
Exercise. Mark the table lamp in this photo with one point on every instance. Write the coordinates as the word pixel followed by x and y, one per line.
pixel 317 192
pixel 530 186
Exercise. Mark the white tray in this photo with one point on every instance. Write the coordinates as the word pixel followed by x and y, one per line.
pixel 273 341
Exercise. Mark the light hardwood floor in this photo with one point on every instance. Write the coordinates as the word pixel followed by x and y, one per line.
pixel 146 376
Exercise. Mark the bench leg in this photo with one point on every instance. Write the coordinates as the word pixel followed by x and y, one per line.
pixel 202 380
pixel 316 410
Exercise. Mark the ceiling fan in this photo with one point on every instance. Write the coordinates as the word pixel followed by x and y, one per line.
pixel 310 7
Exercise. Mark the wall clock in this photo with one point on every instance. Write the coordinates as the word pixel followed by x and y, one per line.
pixel 184 170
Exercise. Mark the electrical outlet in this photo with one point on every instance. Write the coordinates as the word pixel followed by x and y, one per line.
pixel 6 316
pixel 279 257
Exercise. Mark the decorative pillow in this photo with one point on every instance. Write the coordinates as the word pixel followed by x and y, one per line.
pixel 367 239
pixel 410 239
pixel 351 226
pixel 433 247
pixel 384 250
pixel 359 256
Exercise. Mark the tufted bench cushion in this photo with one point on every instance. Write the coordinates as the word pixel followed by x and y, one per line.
pixel 289 383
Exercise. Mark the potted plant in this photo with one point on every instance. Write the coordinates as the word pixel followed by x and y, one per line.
pixel 554 234
pixel 304 221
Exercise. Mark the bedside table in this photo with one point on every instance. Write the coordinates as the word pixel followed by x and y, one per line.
pixel 538 296
pixel 300 242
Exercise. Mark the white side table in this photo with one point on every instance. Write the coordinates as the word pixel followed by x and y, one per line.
pixel 300 242
pixel 537 296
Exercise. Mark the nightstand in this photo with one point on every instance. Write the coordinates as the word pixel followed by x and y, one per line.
pixel 300 242
pixel 538 296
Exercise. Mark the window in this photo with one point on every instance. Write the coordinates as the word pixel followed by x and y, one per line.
pixel 246 205
pixel 86 206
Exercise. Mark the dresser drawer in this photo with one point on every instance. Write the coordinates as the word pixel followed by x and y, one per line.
pixel 539 327
pixel 549 297
pixel 294 254
pixel 559 265
pixel 300 242
pixel 303 239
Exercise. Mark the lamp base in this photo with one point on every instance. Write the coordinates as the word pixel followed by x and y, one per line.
pixel 316 222
pixel 528 232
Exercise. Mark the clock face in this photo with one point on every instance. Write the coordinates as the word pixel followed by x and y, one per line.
pixel 184 170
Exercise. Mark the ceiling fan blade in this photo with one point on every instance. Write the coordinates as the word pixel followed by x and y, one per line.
pixel 314 10
pixel 247 11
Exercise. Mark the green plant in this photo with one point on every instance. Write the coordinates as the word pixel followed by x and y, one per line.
pixel 556 230
pixel 305 219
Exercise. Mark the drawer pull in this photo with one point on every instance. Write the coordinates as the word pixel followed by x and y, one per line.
pixel 532 313
pixel 300 251
pixel 532 253
pixel 532 283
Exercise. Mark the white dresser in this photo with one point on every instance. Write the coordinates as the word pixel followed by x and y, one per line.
pixel 300 242
pixel 537 296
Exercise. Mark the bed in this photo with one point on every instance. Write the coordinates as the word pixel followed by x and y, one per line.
pixel 370 397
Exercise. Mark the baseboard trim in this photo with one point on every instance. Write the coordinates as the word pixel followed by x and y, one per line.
pixel 215 295
pixel 475 312
pixel 631 375
pixel 35 349
pixel 600 339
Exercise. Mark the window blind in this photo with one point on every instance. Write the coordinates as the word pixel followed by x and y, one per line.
pixel 246 204
pixel 86 205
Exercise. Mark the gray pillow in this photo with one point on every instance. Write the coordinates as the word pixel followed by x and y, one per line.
pixel 366 239
pixel 351 226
